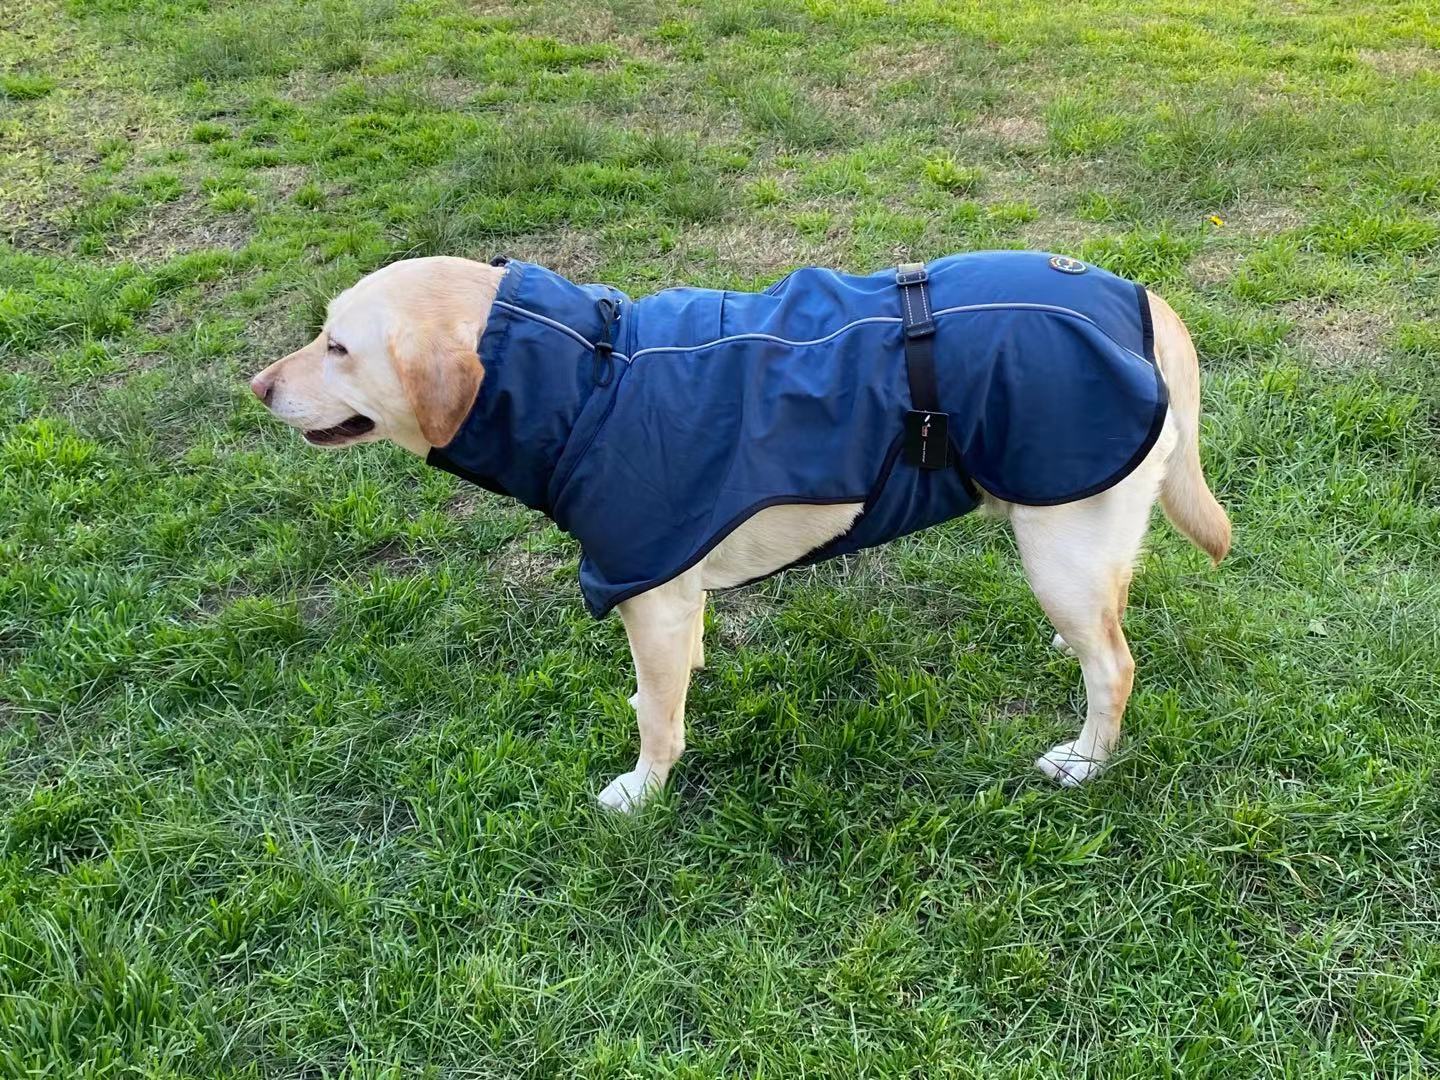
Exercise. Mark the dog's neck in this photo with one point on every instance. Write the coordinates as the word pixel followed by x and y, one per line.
pixel 542 385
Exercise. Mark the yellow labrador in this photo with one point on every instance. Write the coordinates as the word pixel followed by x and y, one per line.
pixel 397 360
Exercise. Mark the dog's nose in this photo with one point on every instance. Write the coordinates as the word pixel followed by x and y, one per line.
pixel 262 388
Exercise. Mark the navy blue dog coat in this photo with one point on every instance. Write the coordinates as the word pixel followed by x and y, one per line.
pixel 650 429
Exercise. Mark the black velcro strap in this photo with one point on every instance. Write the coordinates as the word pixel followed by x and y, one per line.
pixel 926 427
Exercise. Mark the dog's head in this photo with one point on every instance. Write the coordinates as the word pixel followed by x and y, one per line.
pixel 395 359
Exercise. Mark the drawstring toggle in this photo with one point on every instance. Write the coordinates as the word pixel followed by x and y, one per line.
pixel 603 370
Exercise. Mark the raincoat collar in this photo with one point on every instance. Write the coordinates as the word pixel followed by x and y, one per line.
pixel 549 354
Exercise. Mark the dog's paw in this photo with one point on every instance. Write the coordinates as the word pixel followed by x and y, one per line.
pixel 1064 646
pixel 628 791
pixel 1067 767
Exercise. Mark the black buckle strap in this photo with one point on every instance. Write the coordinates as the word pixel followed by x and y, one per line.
pixel 927 429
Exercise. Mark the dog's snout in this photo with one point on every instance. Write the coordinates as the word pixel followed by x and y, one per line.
pixel 263 387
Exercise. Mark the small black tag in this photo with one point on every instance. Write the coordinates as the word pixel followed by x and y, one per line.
pixel 927 438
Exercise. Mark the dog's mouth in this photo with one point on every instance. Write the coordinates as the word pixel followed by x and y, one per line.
pixel 343 432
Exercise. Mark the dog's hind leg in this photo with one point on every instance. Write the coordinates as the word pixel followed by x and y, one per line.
pixel 661 625
pixel 1078 558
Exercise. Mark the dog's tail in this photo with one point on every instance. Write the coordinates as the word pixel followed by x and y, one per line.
pixel 1186 497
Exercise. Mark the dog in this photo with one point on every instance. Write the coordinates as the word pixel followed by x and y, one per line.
pixel 699 440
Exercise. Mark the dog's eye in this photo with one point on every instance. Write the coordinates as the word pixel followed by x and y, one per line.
pixel 337 348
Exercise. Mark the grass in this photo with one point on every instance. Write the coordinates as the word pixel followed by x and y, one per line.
pixel 297 751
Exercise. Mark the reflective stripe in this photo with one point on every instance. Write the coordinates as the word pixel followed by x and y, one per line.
pixel 1017 306
pixel 581 338
pixel 1052 308
pixel 764 337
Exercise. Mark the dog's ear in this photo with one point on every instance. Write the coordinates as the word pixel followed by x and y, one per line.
pixel 440 371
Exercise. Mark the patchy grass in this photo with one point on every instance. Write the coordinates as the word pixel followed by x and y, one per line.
pixel 945 173
pixel 18 86
pixel 296 750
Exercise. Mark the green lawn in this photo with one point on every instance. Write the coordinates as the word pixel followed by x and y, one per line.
pixel 298 751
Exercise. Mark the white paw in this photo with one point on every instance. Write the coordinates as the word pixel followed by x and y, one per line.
pixel 1063 645
pixel 1067 767
pixel 628 791
pixel 635 701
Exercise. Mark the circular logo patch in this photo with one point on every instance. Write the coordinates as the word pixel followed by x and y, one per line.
pixel 1066 265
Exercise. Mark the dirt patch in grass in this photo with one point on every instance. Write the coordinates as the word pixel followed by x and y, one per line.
pixel 36 235
pixel 738 616
pixel 153 234
pixel 1337 335
pixel 395 560
pixel 572 253
pixel 307 85
pixel 597 26
pixel 520 566
pixel 1402 62
pixel 286 179
pixel 53 155
pixel 37 197
pixel 1260 218
pixel 1021 132
pixel 1054 231
pixel 178 227
pixel 1214 266
pixel 467 501
pixel 753 248
pixel 892 63
pixel 450 91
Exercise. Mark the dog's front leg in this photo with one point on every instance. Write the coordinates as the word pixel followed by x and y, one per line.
pixel 661 625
